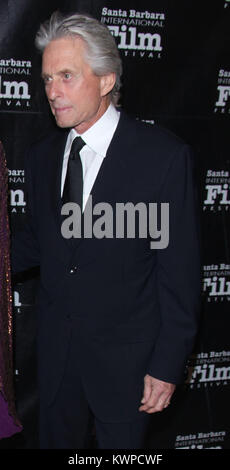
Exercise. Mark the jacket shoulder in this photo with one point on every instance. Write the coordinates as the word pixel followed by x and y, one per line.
pixel 42 149
pixel 141 130
pixel 47 140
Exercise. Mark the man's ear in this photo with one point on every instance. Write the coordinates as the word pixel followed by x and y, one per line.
pixel 107 83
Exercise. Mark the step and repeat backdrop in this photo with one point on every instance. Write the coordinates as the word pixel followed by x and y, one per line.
pixel 176 59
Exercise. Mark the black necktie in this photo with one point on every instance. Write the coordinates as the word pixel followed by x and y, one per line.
pixel 73 188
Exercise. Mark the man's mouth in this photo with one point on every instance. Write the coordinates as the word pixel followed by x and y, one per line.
pixel 61 109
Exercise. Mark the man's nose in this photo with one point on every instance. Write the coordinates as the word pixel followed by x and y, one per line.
pixel 53 90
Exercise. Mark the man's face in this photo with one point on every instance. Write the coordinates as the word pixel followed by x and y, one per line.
pixel 77 97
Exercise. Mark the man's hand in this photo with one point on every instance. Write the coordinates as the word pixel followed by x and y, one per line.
pixel 157 394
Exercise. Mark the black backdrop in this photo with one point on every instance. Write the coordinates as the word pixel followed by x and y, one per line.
pixel 177 74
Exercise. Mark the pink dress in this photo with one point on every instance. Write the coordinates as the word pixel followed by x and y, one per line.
pixel 9 424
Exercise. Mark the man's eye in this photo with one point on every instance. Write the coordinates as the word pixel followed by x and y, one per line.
pixel 47 80
pixel 67 76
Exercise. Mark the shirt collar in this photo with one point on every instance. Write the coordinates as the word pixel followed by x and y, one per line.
pixel 99 136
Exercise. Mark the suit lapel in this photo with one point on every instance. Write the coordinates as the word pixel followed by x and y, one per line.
pixel 54 163
pixel 112 171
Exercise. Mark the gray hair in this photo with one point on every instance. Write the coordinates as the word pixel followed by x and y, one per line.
pixel 101 51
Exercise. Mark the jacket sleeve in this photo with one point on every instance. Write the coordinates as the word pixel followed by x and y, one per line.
pixel 179 273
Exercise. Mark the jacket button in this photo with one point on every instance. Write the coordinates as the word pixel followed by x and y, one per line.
pixel 73 270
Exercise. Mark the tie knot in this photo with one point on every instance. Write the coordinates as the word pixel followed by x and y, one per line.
pixel 77 144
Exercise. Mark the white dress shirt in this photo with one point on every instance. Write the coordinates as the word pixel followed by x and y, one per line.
pixel 97 139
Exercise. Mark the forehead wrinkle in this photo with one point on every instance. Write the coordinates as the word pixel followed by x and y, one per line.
pixel 62 53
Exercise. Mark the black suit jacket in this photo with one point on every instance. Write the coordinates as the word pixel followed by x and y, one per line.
pixel 129 309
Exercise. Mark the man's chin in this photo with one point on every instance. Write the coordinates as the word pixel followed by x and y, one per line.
pixel 63 124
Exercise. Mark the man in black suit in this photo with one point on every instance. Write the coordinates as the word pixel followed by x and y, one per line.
pixel 117 315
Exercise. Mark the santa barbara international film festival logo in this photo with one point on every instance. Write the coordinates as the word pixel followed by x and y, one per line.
pixel 222 103
pixel 216 282
pixel 201 440
pixel 217 191
pixel 15 81
pixel 137 33
pixel 16 179
pixel 208 369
